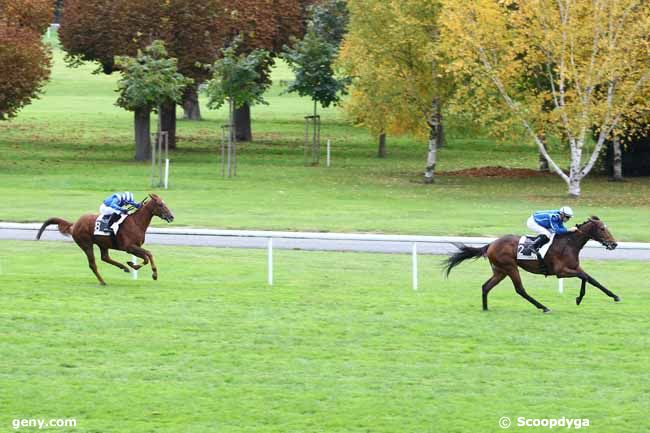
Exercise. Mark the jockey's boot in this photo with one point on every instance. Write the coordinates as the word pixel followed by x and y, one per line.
pixel 114 218
pixel 535 247
pixel 538 243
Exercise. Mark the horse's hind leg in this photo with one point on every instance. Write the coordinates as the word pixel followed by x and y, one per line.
pixel 92 264
pixel 519 287
pixel 495 279
pixel 107 258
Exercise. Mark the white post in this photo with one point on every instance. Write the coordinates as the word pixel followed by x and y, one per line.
pixel 270 254
pixel 415 266
pixel 328 153
pixel 166 172
pixel 560 285
pixel 134 272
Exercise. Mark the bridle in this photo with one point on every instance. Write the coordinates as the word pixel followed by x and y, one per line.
pixel 589 235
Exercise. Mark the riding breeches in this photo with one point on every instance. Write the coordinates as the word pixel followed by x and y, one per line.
pixel 106 210
pixel 532 224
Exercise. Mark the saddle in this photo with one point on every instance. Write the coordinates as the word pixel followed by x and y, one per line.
pixel 102 227
pixel 525 242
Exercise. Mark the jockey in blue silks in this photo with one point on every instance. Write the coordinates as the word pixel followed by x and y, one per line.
pixel 114 204
pixel 547 222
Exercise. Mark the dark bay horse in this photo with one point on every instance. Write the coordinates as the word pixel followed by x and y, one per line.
pixel 129 238
pixel 562 260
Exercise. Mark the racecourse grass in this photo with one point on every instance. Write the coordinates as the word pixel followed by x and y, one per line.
pixel 67 151
pixel 340 343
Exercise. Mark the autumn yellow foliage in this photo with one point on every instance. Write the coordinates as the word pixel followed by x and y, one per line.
pixel 564 67
pixel 388 51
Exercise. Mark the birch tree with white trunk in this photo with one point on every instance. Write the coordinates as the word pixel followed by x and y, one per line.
pixel 399 87
pixel 594 54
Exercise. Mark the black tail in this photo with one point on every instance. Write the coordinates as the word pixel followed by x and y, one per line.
pixel 462 255
pixel 65 227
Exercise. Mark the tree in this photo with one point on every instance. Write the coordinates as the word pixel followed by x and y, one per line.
pixel 261 24
pixel 236 79
pixel 24 59
pixel 399 86
pixel 58 10
pixel 311 59
pixel 594 56
pixel 148 80
pixel 329 19
pixel 99 30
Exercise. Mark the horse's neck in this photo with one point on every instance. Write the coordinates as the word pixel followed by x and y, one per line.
pixel 142 218
pixel 581 238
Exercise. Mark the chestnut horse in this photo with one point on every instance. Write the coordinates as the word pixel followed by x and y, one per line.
pixel 562 260
pixel 129 238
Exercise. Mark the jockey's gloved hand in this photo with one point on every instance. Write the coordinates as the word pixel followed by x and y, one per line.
pixel 572 229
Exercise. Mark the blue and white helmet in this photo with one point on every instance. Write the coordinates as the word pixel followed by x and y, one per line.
pixel 126 197
pixel 566 210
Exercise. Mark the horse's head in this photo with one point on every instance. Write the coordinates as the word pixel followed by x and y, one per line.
pixel 159 208
pixel 598 231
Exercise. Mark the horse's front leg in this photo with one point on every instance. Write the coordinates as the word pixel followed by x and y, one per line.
pixel 583 286
pixel 588 278
pixel 146 256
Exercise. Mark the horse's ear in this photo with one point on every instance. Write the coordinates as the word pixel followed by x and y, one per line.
pixel 594 217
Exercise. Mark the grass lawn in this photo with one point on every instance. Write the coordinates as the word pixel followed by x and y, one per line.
pixel 70 149
pixel 334 346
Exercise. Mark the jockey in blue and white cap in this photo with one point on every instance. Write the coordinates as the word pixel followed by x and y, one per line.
pixel 547 222
pixel 114 204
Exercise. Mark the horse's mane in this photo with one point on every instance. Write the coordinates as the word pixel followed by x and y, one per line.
pixel 142 204
pixel 591 219
pixel 580 225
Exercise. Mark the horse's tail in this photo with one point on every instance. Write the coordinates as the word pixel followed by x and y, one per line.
pixel 465 253
pixel 65 227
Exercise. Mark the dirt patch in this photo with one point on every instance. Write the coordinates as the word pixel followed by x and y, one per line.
pixel 499 172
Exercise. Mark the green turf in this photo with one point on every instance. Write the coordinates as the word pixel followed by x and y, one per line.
pixel 70 149
pixel 340 343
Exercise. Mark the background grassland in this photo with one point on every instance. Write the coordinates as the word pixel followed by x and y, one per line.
pixel 339 344
pixel 68 150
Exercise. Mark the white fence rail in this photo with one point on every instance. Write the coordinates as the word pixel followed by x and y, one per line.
pixel 359 242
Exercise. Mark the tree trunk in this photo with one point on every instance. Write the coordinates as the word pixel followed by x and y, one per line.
pixel 434 123
pixel 543 163
pixel 575 174
pixel 243 123
pixel 617 162
pixel 441 132
pixel 142 135
pixel 191 106
pixel 167 113
pixel 381 152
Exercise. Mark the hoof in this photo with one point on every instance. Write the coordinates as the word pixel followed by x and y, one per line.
pixel 126 270
pixel 102 283
pixel 617 299
pixel 578 301
pixel 546 310
pixel 154 276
